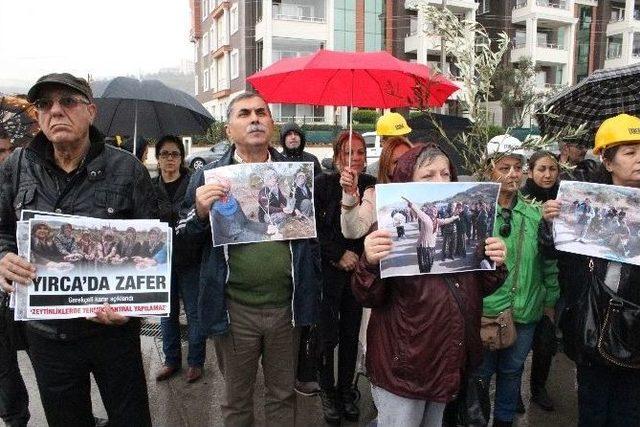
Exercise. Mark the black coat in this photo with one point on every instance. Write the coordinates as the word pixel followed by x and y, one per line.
pixel 185 252
pixel 328 199
pixel 109 184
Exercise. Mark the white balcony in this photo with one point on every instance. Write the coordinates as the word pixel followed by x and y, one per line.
pixel 622 26
pixel 453 5
pixel 543 54
pixel 550 11
pixel 413 43
pixel 300 29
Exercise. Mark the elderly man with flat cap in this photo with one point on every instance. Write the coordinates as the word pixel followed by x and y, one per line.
pixel 67 168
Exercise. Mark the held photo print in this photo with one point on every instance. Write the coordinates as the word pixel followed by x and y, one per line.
pixel 436 227
pixel 264 202
pixel 599 220
pixel 83 263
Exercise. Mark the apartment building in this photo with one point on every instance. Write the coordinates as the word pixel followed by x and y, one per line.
pixel 234 39
pixel 622 32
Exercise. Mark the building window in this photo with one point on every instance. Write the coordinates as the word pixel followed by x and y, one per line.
pixel 195 52
pixel 617 13
pixel 234 18
pixel 483 6
pixel 196 88
pixel 285 47
pixel 205 77
pixel 205 9
pixel 213 80
pixel 235 64
pixel 636 45
pixel 221 73
pixel 205 44
pixel 373 15
pixel 345 25
pixel 259 47
pixel 221 30
pixel 614 46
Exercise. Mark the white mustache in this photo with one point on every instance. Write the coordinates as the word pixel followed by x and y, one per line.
pixel 256 128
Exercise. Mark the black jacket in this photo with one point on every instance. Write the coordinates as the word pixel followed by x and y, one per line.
pixel 534 191
pixel 110 184
pixel 328 199
pixel 298 154
pixel 185 252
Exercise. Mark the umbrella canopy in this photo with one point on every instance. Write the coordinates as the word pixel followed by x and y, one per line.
pixel 359 79
pixel 18 119
pixel 604 94
pixel 149 108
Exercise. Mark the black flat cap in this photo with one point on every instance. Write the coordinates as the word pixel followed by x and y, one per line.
pixel 63 79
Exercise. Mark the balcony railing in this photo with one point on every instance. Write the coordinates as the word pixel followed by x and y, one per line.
pixel 547 45
pixel 291 12
pixel 299 119
pixel 556 4
pixel 636 52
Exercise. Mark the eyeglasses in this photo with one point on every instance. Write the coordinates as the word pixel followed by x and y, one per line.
pixel 505 228
pixel 67 102
pixel 164 155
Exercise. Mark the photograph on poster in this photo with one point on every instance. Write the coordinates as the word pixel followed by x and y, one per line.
pixel 82 263
pixel 436 227
pixel 263 202
pixel 599 220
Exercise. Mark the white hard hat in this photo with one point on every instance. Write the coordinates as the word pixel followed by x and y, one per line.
pixel 505 144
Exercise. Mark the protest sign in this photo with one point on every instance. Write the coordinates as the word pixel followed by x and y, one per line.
pixel 436 227
pixel 599 220
pixel 83 263
pixel 264 202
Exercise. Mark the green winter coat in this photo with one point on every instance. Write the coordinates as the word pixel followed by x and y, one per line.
pixel 537 278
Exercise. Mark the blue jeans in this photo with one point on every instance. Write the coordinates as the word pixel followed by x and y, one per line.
pixel 185 284
pixel 508 365
pixel 608 397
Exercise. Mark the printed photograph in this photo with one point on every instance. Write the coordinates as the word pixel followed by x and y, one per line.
pixel 599 220
pixel 264 202
pixel 436 227
pixel 73 244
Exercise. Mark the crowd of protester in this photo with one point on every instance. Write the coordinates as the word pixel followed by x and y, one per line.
pixel 430 340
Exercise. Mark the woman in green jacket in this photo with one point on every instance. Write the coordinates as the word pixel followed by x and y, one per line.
pixel 531 289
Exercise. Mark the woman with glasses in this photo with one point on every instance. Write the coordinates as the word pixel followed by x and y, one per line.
pixel 171 186
pixel 608 385
pixel 542 185
pixel 423 337
pixel 340 313
pixel 531 289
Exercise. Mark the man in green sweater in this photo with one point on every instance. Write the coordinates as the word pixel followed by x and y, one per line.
pixel 531 288
pixel 255 296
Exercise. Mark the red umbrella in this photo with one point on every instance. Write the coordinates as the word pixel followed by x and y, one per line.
pixel 360 79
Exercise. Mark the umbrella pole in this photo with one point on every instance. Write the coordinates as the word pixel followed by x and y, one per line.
pixel 351 119
pixel 135 129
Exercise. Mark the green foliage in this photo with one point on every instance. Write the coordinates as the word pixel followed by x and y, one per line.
pixel 365 116
pixel 495 130
pixel 516 86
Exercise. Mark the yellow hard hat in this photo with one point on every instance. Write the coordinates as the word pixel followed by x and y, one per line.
pixel 392 124
pixel 615 131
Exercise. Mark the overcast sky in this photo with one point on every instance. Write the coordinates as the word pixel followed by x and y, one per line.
pixel 101 38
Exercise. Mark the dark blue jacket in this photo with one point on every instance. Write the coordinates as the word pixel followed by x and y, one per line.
pixel 212 304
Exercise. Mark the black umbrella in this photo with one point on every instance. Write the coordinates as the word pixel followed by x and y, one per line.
pixel 604 94
pixel 150 109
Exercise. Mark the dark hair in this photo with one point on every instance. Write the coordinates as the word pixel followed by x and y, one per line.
pixel 170 138
pixel 4 134
pixel 141 146
pixel 602 175
pixel 539 155
pixel 341 140
pixel 244 95
pixel 386 156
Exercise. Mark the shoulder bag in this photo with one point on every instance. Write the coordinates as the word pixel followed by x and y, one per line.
pixel 498 332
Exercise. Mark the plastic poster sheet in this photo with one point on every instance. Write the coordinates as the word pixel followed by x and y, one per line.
pixel 436 227
pixel 83 263
pixel 599 220
pixel 265 202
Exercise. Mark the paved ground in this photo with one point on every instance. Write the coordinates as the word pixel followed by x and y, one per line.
pixel 176 403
